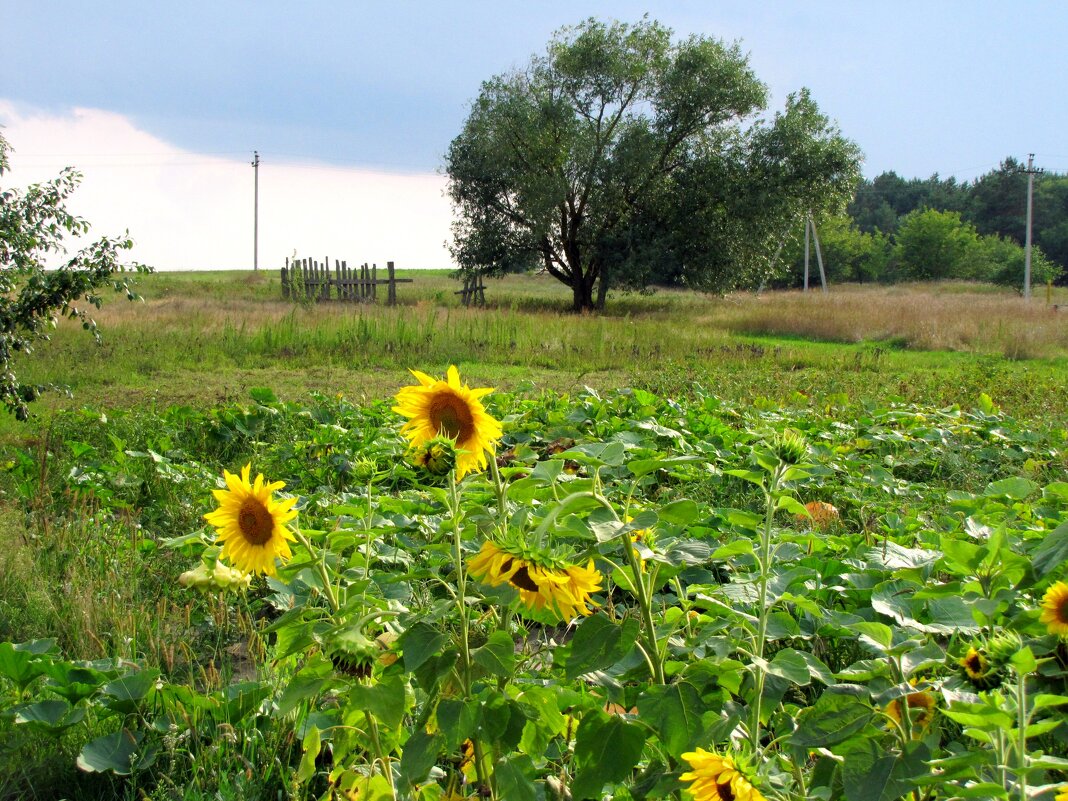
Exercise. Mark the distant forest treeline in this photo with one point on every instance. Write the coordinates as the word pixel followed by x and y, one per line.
pixel 913 229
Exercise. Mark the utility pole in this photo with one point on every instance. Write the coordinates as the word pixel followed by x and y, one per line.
pixel 811 226
pixel 1031 173
pixel 256 212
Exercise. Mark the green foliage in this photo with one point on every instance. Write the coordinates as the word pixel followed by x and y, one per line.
pixel 933 244
pixel 995 204
pixel 951 528
pixel 33 225
pixel 621 158
pixel 849 254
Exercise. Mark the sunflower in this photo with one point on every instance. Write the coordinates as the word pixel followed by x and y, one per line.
pixel 1055 609
pixel 1063 794
pixel 921 706
pixel 544 584
pixel 449 409
pixel 716 778
pixel 978 670
pixel 251 525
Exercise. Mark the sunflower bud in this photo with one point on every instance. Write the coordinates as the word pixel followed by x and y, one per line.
pixel 221 577
pixel 353 653
pixel 1001 648
pixel 364 469
pixel 198 578
pixel 790 446
pixel 225 577
pixel 436 456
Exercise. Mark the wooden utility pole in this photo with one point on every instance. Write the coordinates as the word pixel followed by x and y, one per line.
pixel 810 225
pixel 256 211
pixel 1031 173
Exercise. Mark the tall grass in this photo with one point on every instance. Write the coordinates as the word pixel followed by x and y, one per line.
pixel 207 337
pixel 913 316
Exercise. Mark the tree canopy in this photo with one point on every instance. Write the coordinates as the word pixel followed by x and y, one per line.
pixel 620 158
pixel 33 226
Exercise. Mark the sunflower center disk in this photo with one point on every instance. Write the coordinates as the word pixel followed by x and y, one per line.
pixel 522 580
pixel 451 418
pixel 255 522
pixel 726 792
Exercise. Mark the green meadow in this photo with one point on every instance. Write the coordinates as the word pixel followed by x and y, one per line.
pixel 796 545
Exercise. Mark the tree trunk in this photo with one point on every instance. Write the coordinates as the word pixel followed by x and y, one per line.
pixel 583 294
pixel 602 287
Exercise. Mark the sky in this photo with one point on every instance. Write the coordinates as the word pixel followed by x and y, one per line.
pixel 352 105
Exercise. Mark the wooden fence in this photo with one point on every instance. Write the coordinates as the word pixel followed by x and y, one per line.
pixel 474 291
pixel 307 278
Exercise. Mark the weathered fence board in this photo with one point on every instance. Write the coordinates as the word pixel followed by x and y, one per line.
pixel 307 278
pixel 474 291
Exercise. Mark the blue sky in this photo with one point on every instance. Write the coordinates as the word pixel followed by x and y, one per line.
pixel 353 105
pixel 952 87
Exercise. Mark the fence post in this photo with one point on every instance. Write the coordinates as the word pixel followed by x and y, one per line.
pixel 391 297
pixel 285 280
pixel 374 283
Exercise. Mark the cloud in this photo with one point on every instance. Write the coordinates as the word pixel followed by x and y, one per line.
pixel 194 211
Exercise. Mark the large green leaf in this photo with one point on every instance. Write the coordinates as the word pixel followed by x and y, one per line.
pixel 599 643
pixel 418 643
pixel 674 711
pixel 127 693
pixel 20 665
pixel 51 716
pixel 116 753
pixel 497 655
pixel 419 755
pixel 387 700
pixel 1052 552
pixel 871 773
pixel 839 713
pixel 515 778
pixel 606 750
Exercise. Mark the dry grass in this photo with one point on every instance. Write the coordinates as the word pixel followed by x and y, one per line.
pixel 954 318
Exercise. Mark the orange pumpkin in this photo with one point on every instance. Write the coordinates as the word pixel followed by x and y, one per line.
pixel 823 514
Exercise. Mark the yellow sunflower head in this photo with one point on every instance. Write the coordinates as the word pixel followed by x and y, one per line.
pixel 548 587
pixel 449 409
pixel 978 670
pixel 1055 609
pixel 921 709
pixel 250 524
pixel 717 778
pixel 1063 794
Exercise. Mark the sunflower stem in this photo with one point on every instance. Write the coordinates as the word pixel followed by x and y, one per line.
pixel 461 606
pixel 501 490
pixel 376 744
pixel 645 604
pixel 1022 721
pixel 320 565
pixel 764 566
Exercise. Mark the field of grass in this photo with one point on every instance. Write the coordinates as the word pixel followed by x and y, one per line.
pixel 903 638
pixel 206 337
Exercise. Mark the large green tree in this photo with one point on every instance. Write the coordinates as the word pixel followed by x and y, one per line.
pixel 35 292
pixel 622 158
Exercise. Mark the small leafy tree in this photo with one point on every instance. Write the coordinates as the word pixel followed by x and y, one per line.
pixel 621 158
pixel 849 254
pixel 936 245
pixel 33 225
